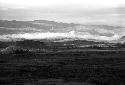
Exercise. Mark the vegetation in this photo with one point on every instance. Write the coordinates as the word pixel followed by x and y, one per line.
pixel 50 64
pixel 97 68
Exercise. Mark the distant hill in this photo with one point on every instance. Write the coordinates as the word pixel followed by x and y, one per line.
pixel 34 24
pixel 15 27
pixel 45 25
pixel 91 32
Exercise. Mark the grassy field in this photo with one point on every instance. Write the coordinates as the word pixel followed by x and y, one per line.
pixel 63 68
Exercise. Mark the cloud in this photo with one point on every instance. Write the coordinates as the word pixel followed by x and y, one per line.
pixel 84 3
pixel 58 35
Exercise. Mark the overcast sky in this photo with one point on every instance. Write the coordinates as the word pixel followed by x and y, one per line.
pixel 78 11
pixel 90 4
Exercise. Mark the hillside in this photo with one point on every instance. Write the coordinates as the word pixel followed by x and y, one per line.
pixel 51 46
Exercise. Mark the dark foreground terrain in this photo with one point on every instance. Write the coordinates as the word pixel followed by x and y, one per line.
pixel 77 62
pixel 63 68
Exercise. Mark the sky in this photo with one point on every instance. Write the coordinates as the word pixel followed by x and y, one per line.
pixel 77 11
pixel 106 12
pixel 90 4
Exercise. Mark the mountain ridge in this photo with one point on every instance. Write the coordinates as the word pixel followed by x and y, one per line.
pixel 58 30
